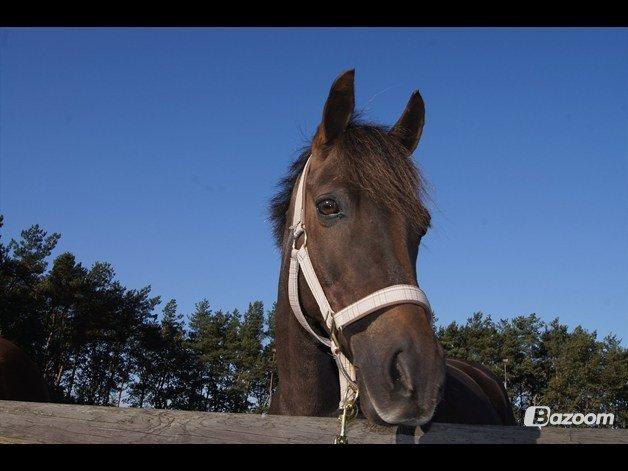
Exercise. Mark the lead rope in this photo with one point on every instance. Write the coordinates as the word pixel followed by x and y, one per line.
pixel 349 403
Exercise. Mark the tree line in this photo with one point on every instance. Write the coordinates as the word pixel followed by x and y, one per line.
pixel 99 342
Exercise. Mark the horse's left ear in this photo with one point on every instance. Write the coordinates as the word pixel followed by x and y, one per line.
pixel 410 126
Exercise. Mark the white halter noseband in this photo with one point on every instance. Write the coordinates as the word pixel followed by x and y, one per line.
pixel 336 321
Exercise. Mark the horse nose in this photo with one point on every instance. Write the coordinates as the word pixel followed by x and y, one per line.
pixel 402 370
pixel 415 379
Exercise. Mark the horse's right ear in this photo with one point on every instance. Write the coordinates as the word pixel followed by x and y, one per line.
pixel 338 110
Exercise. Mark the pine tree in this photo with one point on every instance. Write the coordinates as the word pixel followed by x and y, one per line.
pixel 62 291
pixel 249 389
pixel 171 355
pixel 271 378
pixel 211 338
pixel 22 269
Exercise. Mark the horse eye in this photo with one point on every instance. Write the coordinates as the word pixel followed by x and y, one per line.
pixel 327 207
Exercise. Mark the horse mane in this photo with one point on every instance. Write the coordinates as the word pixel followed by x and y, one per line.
pixel 373 162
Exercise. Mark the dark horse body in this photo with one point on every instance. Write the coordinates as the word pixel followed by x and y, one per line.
pixel 365 219
pixel 20 379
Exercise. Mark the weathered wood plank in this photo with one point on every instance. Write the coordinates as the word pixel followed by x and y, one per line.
pixel 23 422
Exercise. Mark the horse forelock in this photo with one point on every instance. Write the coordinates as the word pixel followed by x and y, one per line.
pixel 371 161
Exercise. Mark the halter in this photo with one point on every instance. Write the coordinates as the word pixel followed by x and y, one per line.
pixel 336 321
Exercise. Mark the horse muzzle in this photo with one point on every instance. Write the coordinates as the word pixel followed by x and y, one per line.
pixel 400 367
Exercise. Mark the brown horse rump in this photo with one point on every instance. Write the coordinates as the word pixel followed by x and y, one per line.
pixel 20 378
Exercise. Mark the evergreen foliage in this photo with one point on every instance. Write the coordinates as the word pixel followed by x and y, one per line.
pixel 98 342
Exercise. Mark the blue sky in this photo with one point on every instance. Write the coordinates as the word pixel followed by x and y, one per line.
pixel 158 149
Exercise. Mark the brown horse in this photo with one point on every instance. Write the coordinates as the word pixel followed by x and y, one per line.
pixel 20 379
pixel 365 217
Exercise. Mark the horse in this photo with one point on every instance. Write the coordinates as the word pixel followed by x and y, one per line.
pixel 20 378
pixel 357 200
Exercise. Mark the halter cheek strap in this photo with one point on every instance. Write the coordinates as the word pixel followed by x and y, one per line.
pixel 336 321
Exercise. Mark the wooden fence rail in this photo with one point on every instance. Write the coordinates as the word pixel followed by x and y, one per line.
pixel 29 422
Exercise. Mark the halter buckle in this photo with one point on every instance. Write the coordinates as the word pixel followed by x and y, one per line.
pixel 334 329
pixel 296 233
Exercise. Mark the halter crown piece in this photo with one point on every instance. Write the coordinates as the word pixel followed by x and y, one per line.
pixel 336 321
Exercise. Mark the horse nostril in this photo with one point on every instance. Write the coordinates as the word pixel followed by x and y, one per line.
pixel 399 373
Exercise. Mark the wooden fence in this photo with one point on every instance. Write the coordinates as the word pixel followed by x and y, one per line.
pixel 29 422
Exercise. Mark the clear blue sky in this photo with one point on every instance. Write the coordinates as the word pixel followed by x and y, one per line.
pixel 158 149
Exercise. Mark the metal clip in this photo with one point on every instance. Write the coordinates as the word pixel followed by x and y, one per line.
pixel 349 412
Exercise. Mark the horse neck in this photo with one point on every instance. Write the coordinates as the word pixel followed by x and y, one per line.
pixel 308 376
